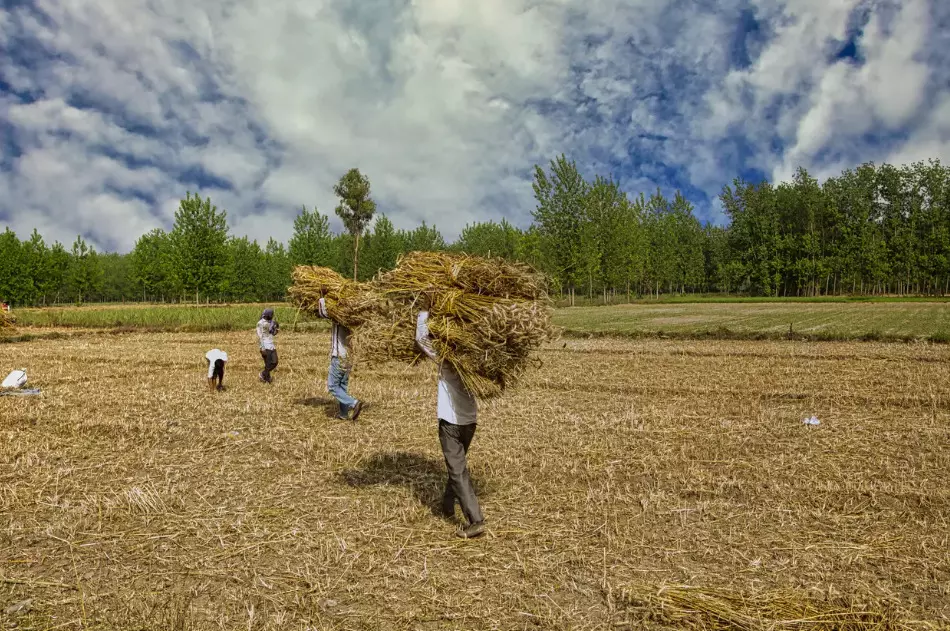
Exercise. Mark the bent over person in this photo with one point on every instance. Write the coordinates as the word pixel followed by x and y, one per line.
pixel 267 328
pixel 216 359
pixel 457 410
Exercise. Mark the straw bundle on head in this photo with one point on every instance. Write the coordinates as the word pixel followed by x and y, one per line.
pixel 486 316
pixel 348 302
pixel 390 335
pixel 438 271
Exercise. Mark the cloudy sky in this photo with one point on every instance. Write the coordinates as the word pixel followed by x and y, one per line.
pixel 111 110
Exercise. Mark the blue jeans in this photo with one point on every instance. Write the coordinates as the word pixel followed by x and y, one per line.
pixel 338 380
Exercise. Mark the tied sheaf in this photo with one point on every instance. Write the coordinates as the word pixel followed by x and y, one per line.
pixel 487 316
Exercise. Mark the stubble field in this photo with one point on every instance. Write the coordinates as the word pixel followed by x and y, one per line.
pixel 132 498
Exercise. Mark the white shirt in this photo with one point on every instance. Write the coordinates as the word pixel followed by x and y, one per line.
pixel 456 403
pixel 339 334
pixel 212 356
pixel 264 334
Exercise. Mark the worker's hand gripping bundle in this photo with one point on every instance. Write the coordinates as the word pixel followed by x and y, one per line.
pixel 486 316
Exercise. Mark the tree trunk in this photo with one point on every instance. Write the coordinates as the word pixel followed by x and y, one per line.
pixel 356 255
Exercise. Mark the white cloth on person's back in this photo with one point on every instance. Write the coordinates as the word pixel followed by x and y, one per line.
pixel 456 404
pixel 339 334
pixel 265 335
pixel 212 356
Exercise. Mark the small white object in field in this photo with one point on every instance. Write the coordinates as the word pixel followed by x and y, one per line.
pixel 811 420
pixel 16 379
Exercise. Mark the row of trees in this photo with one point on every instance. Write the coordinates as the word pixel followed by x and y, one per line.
pixel 874 229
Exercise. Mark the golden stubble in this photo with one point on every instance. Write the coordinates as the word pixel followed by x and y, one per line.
pixel 624 482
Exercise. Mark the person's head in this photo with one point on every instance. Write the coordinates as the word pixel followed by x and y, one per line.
pixel 268 314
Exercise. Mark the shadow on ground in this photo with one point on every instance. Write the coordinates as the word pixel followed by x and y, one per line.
pixel 423 475
pixel 329 405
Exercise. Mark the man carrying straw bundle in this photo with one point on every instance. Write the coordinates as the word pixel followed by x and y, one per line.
pixel 338 376
pixel 457 411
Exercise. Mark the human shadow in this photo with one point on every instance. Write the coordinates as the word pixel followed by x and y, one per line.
pixel 423 475
pixel 331 406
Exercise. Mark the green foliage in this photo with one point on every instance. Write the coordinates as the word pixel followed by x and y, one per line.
pixel 245 270
pixel 423 239
pixel 561 216
pixel 152 266
pixel 381 248
pixel 311 243
pixel 16 285
pixel 199 241
pixel 874 230
pixel 275 274
pixel 85 274
pixel 356 208
pixel 490 239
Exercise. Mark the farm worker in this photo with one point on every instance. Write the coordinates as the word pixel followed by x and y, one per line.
pixel 338 377
pixel 267 328
pixel 216 361
pixel 456 413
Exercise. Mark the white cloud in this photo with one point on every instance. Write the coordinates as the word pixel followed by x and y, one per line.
pixel 120 107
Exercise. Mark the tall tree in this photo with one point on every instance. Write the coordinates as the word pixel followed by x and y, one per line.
pixel 85 271
pixel 424 238
pixel 490 239
pixel 381 248
pixel 311 243
pixel 356 208
pixel 59 263
pixel 117 284
pixel 199 244
pixel 561 217
pixel 16 285
pixel 151 263
pixel 38 260
pixel 245 270
pixel 276 272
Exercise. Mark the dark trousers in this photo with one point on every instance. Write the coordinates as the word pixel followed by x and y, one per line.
pixel 270 363
pixel 455 440
pixel 218 371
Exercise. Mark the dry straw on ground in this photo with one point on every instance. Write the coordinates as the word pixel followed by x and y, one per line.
pixel 132 498
pixel 704 609
pixel 7 321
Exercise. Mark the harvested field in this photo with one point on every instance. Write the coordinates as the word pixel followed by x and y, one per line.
pixel 131 498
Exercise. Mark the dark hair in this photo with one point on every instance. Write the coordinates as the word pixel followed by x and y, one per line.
pixel 268 314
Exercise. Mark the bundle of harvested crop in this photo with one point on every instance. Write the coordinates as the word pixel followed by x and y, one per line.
pixel 487 316
pixel 348 302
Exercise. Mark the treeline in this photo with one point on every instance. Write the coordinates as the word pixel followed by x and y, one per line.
pixel 871 230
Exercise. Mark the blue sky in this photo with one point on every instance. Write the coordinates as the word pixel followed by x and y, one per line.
pixel 111 111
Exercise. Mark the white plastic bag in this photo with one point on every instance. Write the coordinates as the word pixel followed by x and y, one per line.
pixel 16 379
pixel 812 420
